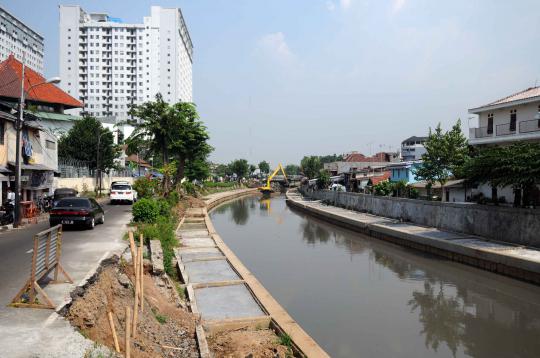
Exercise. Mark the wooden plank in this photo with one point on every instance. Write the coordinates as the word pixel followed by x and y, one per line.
pixel 218 284
pixel 252 323
pixel 45 297
pixel 128 333
pixel 33 273
pixel 141 275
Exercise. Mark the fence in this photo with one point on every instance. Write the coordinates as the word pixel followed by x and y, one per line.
pixel 73 168
pixel 45 258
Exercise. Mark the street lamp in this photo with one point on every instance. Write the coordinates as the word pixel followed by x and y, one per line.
pixel 18 124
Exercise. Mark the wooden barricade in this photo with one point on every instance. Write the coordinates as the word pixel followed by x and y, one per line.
pixel 45 258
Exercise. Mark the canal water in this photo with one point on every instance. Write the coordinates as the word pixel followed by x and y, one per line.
pixel 362 297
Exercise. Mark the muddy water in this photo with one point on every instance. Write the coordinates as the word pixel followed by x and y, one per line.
pixel 362 297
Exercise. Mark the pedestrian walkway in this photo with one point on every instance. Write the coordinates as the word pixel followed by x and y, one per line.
pixel 216 290
pixel 505 258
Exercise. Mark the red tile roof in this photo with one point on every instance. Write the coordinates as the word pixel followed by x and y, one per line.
pixel 135 159
pixel 359 157
pixel 529 93
pixel 10 85
pixel 377 179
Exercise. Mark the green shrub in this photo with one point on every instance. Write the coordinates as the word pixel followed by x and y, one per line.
pixel 145 187
pixel 146 210
pixel 189 188
pixel 173 198
pixel 164 207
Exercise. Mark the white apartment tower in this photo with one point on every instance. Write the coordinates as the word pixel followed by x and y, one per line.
pixel 110 65
pixel 18 39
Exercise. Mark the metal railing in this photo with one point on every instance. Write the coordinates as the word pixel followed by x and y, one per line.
pixel 529 126
pixel 481 132
pixel 505 129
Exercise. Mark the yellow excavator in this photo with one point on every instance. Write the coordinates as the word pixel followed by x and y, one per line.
pixel 268 189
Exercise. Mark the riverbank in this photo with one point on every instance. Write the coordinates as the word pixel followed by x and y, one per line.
pixel 207 266
pixel 511 260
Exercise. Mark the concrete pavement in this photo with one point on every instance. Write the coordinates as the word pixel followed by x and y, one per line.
pixel 28 332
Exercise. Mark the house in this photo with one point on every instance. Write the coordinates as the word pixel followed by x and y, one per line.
pixel 507 120
pixel 502 122
pixel 358 180
pixel 413 148
pixel 355 161
pixel 404 171
pixel 39 151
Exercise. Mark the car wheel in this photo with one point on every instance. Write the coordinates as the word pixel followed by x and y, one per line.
pixel 102 221
pixel 92 224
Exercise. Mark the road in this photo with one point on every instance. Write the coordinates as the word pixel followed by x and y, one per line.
pixel 81 251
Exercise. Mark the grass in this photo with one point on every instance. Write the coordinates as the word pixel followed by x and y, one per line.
pixel 285 340
pixel 181 290
pixel 162 319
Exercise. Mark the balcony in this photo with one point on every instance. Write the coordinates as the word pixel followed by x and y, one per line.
pixel 506 132
pixel 529 126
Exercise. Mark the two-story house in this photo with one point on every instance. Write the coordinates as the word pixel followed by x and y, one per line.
pixel 45 104
pixel 505 121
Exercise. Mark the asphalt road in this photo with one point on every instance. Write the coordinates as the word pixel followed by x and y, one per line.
pixel 79 247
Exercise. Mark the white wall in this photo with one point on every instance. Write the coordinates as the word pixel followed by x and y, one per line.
pixel 525 112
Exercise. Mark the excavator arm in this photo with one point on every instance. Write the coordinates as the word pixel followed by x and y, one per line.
pixel 268 188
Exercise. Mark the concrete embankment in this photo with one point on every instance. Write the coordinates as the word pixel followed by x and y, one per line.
pixel 222 290
pixel 508 259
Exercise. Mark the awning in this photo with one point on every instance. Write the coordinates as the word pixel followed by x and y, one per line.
pixel 4 170
pixel 363 183
pixel 33 167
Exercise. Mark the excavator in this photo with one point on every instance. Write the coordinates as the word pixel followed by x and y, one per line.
pixel 268 189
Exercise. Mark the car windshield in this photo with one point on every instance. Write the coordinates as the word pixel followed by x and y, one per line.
pixel 74 203
pixel 121 187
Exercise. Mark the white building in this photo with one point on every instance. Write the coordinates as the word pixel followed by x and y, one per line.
pixel 507 120
pixel 16 38
pixel 512 118
pixel 413 148
pixel 110 65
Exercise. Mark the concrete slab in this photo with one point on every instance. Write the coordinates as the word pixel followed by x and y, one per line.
pixel 210 271
pixel 225 302
pixel 199 253
pixel 198 242
pixel 193 233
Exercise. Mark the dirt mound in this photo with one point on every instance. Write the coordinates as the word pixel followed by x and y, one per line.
pixel 163 329
pixel 246 343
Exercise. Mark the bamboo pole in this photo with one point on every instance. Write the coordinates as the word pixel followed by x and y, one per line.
pixel 128 332
pixel 141 275
pixel 132 247
pixel 115 338
pixel 137 293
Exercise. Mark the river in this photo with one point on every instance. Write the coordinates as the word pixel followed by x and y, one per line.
pixel 363 297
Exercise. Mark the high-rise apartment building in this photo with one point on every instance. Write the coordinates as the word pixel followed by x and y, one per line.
pixel 110 65
pixel 21 41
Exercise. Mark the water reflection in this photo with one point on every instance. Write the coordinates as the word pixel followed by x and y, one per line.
pixel 379 299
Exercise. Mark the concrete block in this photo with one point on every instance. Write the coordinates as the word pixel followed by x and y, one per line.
pixel 156 253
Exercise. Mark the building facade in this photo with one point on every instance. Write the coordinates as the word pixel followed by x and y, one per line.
pixel 404 171
pixel 413 148
pixel 510 119
pixel 21 41
pixel 110 65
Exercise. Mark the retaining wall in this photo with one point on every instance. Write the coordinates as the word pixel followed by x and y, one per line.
pixel 88 183
pixel 514 225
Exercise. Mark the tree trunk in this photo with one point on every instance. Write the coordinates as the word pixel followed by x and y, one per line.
pixel 494 195
pixel 180 170
pixel 517 197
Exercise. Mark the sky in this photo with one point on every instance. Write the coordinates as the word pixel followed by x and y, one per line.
pixel 277 80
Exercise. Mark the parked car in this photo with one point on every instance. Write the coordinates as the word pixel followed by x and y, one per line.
pixel 122 191
pixel 77 211
pixel 61 193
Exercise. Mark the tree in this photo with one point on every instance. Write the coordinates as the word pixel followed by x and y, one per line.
pixel 264 167
pixel 516 165
pixel 81 143
pixel 323 179
pixel 197 169
pixel 222 170
pixel 240 167
pixel 311 166
pixel 170 133
pixel 252 168
pixel 292 169
pixel 446 154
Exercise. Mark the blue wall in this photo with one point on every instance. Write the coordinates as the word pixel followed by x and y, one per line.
pixel 405 173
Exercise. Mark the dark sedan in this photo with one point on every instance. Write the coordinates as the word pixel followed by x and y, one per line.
pixel 77 211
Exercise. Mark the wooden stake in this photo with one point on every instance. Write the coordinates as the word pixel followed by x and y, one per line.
pixel 128 332
pixel 141 276
pixel 132 247
pixel 115 338
pixel 137 293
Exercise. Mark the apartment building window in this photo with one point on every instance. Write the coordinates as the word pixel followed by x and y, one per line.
pixel 513 120
pixel 49 144
pixel 490 124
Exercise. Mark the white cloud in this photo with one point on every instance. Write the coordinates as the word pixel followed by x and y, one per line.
pixel 275 47
pixel 330 5
pixel 397 6
pixel 345 4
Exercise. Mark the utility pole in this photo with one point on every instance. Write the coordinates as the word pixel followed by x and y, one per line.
pixel 18 123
